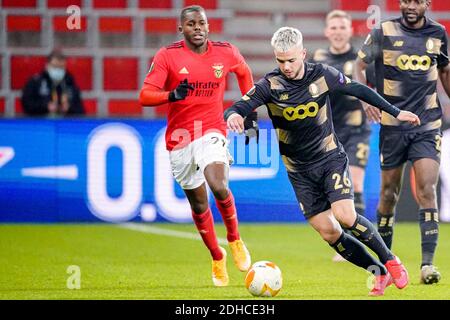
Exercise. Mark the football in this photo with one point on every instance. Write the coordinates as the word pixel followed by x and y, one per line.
pixel 264 279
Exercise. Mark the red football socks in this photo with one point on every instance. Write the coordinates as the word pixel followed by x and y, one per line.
pixel 205 226
pixel 229 216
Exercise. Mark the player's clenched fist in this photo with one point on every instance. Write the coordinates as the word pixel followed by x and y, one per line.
pixel 180 92
pixel 235 123
pixel 409 116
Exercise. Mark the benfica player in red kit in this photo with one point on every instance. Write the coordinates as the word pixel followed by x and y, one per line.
pixel 190 75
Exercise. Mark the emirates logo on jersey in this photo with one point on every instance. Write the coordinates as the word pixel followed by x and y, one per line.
pixel 218 72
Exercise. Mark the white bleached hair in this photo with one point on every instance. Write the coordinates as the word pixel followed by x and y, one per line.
pixel 286 38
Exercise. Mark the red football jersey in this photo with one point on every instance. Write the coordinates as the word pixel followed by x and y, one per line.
pixel 202 110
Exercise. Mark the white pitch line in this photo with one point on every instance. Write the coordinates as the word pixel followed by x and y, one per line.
pixel 166 232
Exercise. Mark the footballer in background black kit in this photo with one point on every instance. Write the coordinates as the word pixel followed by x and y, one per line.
pixel 410 54
pixel 349 118
pixel 300 111
pixel 406 64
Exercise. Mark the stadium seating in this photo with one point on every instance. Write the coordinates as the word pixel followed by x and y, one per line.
pixel 2 105
pixel 108 54
pixel 115 31
pixel 440 5
pixel 63 3
pixel 124 107
pixel 120 73
pixel 207 4
pixel 19 3
pixel 18 108
pixel 66 35
pixel 24 67
pixel 360 5
pixel 23 30
pixel 81 69
pixel 15 23
pixel 109 4
pixel 161 4
pixel 90 106
pixel 360 28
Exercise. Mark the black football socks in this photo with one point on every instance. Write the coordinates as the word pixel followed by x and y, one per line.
pixel 429 229
pixel 354 251
pixel 365 232
pixel 385 224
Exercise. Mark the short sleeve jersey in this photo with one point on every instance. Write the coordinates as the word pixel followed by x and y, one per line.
pixel 202 110
pixel 406 69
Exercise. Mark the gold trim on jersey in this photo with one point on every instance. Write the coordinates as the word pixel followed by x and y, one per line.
pixel 320 55
pixel 275 84
pixel 288 163
pixel 390 57
pixel 433 73
pixel 328 143
pixel 391 29
pixel 283 135
pixel 318 87
pixel 431 101
pixel 348 68
pixel 354 118
pixel 322 116
pixel 388 120
pixel 276 109
pixel 361 54
pixel 434 46
pixel 433 125
pixel 392 88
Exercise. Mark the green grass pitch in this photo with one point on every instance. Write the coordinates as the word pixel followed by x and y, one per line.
pixel 118 263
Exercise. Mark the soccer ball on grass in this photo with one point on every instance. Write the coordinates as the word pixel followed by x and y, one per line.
pixel 264 279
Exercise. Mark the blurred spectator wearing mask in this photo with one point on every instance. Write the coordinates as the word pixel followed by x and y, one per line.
pixel 52 92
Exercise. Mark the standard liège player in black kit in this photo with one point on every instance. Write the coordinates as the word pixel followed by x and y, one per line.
pixel 349 119
pixel 297 97
pixel 410 54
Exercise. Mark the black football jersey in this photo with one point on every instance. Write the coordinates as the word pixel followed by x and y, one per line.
pixel 300 111
pixel 406 69
pixel 347 110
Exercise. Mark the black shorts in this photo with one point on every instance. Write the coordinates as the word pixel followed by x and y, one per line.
pixel 356 144
pixel 318 188
pixel 397 147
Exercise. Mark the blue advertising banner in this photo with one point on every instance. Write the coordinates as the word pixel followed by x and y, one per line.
pixel 76 170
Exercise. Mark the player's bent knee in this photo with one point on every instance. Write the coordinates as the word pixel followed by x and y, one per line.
pixel 331 235
pixel 199 208
pixel 344 214
pixel 389 196
pixel 330 232
pixel 219 189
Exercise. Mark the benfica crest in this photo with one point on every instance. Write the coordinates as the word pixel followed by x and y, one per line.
pixel 218 72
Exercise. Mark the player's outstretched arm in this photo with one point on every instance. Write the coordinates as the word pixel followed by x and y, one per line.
pixel 369 96
pixel 373 113
pixel 153 96
pixel 409 117
pixel 235 123
pixel 255 97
